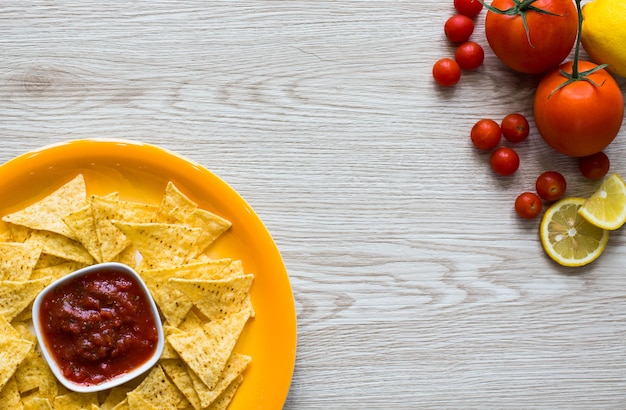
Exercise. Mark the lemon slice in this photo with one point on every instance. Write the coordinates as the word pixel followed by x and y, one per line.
pixel 567 237
pixel 606 208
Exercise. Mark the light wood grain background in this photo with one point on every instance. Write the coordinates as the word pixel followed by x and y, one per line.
pixel 416 285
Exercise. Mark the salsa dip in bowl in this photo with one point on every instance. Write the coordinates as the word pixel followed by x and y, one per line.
pixel 98 327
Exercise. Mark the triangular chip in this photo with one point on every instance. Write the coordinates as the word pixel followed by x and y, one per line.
pixel 76 401
pixel 234 368
pixel 106 210
pixel 138 402
pixel 206 349
pixel 34 402
pixel 216 298
pixel 16 296
pixel 35 374
pixel 10 398
pixel 57 271
pixel 12 352
pixel 175 205
pixel 158 390
pixel 174 305
pixel 227 396
pixel 176 370
pixel 17 260
pixel 162 245
pixel 212 227
pixel 59 245
pixel 47 213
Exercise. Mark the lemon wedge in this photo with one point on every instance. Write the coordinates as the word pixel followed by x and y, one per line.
pixel 567 237
pixel 606 208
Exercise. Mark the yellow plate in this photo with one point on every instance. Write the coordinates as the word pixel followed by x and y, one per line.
pixel 140 172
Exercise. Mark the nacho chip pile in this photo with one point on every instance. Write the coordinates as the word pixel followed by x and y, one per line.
pixel 204 303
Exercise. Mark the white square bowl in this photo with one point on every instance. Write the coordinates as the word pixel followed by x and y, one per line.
pixel 117 380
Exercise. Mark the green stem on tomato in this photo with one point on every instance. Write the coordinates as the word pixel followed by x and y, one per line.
pixel 520 8
pixel 576 75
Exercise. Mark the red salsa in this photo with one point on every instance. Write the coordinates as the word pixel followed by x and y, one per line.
pixel 98 326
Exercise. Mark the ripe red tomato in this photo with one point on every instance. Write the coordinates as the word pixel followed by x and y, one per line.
pixel 515 127
pixel 595 166
pixel 528 205
pixel 548 41
pixel 485 134
pixel 446 72
pixel 469 8
pixel 504 161
pixel 551 186
pixel 580 118
pixel 458 28
pixel 469 55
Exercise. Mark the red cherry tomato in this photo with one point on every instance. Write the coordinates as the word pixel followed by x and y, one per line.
pixel 515 127
pixel 548 41
pixel 485 134
pixel 469 8
pixel 528 205
pixel 595 166
pixel 446 72
pixel 551 186
pixel 458 28
pixel 582 117
pixel 469 55
pixel 504 161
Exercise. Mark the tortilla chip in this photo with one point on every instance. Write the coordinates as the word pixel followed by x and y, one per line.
pixel 17 260
pixel 212 227
pixel 106 210
pixel 234 368
pixel 115 396
pixel 19 233
pixel 123 405
pixel 36 403
pixel 161 245
pixel 61 246
pixel 206 349
pixel 227 396
pixel 217 298
pixel 57 271
pixel 6 329
pixel 10 398
pixel 12 352
pixel 157 389
pixel 47 213
pixel 83 227
pixel 35 374
pixel 172 303
pixel 16 296
pixel 177 371
pixel 175 205
pixel 46 260
pixel 76 401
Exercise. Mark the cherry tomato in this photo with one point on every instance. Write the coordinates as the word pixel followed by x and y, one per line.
pixel 551 186
pixel 528 205
pixel 485 134
pixel 595 166
pixel 515 127
pixel 458 28
pixel 548 41
pixel 469 8
pixel 446 72
pixel 469 55
pixel 581 118
pixel 504 161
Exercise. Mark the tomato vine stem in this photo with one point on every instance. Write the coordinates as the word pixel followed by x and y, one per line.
pixel 520 8
pixel 576 75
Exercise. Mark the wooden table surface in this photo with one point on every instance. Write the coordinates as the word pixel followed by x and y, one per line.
pixel 416 285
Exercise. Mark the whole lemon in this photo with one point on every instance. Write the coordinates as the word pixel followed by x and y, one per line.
pixel 603 33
